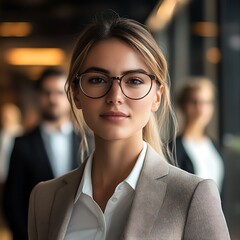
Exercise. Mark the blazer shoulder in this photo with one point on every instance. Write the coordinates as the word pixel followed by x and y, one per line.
pixel 29 136
pixel 175 177
pixel 205 215
pixel 49 199
pixel 182 180
pixel 47 189
pixel 55 183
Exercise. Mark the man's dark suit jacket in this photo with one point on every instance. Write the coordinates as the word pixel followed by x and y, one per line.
pixel 29 165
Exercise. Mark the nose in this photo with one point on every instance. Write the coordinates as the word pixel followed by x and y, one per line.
pixel 115 95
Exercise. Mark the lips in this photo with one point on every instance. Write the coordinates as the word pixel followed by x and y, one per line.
pixel 114 115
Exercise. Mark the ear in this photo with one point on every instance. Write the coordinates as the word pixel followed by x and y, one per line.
pixel 76 96
pixel 157 99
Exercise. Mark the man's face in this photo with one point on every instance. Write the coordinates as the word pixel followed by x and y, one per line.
pixel 53 100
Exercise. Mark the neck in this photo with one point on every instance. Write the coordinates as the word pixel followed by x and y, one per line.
pixel 194 131
pixel 114 160
pixel 112 163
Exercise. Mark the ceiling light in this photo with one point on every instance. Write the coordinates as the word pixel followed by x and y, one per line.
pixel 15 29
pixel 35 56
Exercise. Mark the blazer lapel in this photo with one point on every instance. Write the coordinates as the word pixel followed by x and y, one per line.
pixel 41 153
pixel 63 205
pixel 149 196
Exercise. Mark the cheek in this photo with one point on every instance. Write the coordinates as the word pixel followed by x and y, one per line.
pixel 89 110
pixel 87 118
pixel 209 111
pixel 43 101
pixel 189 112
pixel 142 110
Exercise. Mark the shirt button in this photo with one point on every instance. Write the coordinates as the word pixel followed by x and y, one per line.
pixel 114 199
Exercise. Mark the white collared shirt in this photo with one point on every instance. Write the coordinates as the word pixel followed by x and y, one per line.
pixel 88 221
pixel 206 160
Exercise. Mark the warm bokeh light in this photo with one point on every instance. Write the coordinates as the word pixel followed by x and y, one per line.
pixel 15 29
pixel 213 55
pixel 164 13
pixel 205 29
pixel 35 56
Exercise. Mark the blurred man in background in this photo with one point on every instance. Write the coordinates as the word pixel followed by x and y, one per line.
pixel 48 151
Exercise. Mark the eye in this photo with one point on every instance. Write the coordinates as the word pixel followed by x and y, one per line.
pixel 134 81
pixel 94 79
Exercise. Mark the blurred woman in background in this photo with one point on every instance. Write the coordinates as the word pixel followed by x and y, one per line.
pixel 10 127
pixel 195 150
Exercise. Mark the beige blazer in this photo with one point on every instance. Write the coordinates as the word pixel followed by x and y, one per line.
pixel 169 204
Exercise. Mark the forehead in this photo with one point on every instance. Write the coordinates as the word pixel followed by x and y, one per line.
pixel 54 81
pixel 115 56
pixel 202 93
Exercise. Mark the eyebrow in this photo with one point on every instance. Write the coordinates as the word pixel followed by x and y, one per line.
pixel 102 70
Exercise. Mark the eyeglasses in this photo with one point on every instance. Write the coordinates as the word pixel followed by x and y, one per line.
pixel 134 85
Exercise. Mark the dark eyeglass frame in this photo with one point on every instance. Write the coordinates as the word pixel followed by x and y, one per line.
pixel 151 76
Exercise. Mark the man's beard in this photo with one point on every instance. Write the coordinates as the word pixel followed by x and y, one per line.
pixel 49 116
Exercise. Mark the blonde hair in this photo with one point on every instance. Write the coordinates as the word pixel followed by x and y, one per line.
pixel 158 130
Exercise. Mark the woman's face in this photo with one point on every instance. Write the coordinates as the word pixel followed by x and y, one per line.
pixel 199 107
pixel 114 116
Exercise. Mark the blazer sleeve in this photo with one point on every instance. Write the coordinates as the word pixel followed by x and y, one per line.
pixel 205 217
pixel 32 228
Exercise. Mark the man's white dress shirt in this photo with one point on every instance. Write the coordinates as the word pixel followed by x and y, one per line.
pixel 58 144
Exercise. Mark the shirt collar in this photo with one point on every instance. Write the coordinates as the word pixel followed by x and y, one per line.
pixel 66 128
pixel 86 182
pixel 135 173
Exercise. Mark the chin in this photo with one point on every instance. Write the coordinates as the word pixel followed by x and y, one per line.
pixel 108 136
pixel 112 138
pixel 202 123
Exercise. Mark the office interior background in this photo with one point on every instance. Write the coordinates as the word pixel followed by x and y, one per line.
pixel 198 37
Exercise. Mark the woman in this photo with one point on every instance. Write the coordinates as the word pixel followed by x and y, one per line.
pixel 196 152
pixel 126 189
